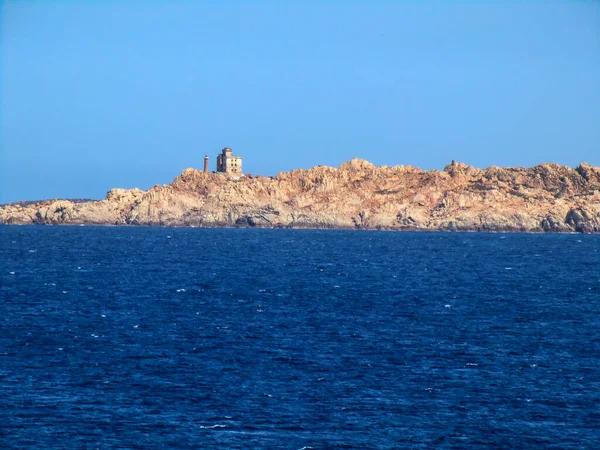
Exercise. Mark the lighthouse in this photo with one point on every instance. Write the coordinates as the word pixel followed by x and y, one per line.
pixel 228 163
pixel 206 163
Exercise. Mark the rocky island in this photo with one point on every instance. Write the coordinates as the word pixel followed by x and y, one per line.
pixel 544 198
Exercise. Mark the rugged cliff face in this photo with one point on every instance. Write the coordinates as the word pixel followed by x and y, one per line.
pixel 547 197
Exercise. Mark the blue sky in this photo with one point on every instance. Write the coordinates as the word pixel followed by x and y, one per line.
pixel 100 94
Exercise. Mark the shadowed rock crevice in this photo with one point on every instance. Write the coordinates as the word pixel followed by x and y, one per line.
pixel 544 198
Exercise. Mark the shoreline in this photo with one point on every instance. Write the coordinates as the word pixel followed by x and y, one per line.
pixel 221 227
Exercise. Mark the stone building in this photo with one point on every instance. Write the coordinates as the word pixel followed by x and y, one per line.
pixel 228 163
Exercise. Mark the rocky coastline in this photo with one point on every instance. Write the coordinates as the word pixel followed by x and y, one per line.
pixel 357 195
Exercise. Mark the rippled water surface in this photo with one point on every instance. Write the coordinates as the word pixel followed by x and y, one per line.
pixel 239 338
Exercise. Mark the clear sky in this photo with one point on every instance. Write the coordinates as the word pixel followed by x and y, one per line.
pixel 102 94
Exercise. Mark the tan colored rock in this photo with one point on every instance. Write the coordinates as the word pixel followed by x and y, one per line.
pixel 548 197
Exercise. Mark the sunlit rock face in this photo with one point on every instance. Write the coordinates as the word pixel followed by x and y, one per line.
pixel 544 198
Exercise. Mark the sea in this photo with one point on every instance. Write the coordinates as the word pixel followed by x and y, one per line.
pixel 152 337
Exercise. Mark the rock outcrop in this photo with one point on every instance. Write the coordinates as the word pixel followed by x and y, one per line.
pixel 544 198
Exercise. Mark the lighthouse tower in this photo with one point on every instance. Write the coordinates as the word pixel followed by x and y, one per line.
pixel 206 163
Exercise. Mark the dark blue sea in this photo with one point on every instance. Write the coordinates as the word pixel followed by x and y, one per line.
pixel 289 339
